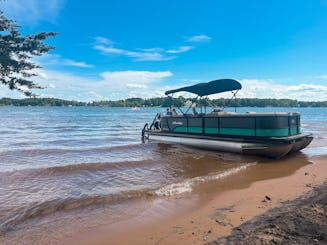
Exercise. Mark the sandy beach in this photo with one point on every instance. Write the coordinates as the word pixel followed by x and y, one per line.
pixel 299 221
pixel 239 199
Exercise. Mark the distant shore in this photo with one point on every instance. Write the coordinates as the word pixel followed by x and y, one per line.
pixel 163 102
pixel 216 217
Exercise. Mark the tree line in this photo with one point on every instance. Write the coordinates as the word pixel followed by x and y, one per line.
pixel 164 102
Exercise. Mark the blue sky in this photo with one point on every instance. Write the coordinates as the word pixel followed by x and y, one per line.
pixel 109 50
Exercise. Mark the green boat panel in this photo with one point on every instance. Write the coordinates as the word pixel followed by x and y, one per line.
pixel 197 130
pixel 211 130
pixel 237 131
pixel 281 132
pixel 295 130
pixel 180 129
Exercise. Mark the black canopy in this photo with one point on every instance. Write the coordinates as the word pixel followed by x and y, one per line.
pixel 213 87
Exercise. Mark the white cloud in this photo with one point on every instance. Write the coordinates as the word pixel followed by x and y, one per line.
pixel 124 84
pixel 106 46
pixel 32 11
pixel 268 88
pixel 108 86
pixel 110 50
pixel 96 95
pixel 308 87
pixel 139 56
pixel 134 77
pixel 69 62
pixel 321 77
pixel 158 50
pixel 181 49
pixel 133 85
pixel 198 39
pixel 150 54
pixel 103 40
pixel 147 56
pixel 57 60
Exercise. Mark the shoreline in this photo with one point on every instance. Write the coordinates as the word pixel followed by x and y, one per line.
pixel 215 216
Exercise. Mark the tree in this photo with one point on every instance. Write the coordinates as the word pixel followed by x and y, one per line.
pixel 16 69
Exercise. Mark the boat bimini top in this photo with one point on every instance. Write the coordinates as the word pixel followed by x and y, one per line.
pixel 213 87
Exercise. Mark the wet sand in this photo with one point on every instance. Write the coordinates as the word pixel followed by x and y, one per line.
pixel 223 205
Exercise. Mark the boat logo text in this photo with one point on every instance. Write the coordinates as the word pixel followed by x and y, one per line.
pixel 177 123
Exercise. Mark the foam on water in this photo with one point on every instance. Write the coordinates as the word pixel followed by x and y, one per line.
pixel 316 151
pixel 175 188
pixel 186 185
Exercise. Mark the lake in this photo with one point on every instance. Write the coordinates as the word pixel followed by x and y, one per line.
pixel 74 168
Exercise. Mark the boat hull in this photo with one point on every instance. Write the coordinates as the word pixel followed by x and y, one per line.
pixel 274 147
